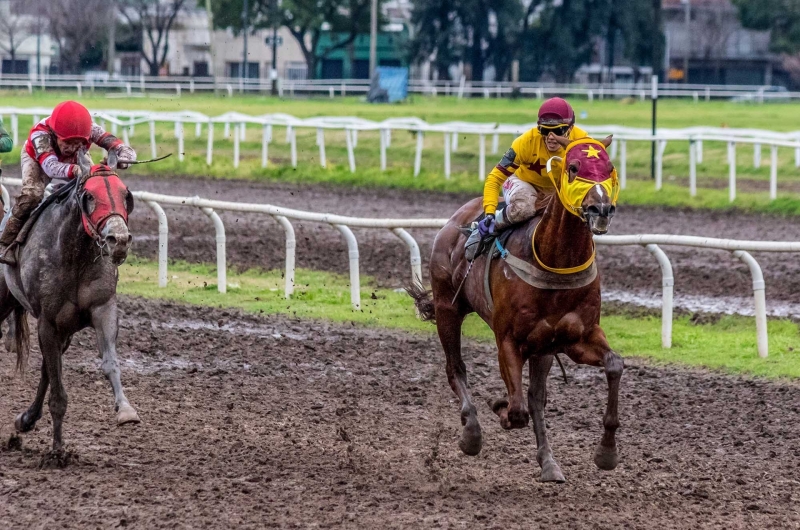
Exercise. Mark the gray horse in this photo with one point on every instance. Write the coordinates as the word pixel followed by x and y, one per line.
pixel 67 279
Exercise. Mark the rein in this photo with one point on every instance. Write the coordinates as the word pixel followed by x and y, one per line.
pixel 556 270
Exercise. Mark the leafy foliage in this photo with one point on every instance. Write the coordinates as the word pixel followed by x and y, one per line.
pixel 782 17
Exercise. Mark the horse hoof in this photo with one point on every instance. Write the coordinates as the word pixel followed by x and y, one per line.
pixel 127 414
pixel 21 424
pixel 552 473
pixel 471 440
pixel 606 458
pixel 56 459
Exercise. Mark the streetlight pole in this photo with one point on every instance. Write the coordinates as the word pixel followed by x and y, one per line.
pixel 112 39
pixel 373 39
pixel 211 69
pixel 245 15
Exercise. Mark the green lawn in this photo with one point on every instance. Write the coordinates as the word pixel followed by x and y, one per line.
pixel 712 174
pixel 729 344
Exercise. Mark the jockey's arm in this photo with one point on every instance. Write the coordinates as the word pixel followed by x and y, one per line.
pixel 507 166
pixel 6 143
pixel 110 142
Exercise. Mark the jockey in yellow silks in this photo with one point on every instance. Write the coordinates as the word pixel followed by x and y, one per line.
pixel 522 172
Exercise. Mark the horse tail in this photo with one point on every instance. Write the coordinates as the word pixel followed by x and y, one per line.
pixel 423 299
pixel 21 337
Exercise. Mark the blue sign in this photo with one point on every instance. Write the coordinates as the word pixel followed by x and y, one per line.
pixel 392 84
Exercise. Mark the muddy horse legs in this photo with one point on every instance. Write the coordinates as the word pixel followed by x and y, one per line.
pixel 106 324
pixel 448 325
pixel 537 401
pixel 512 411
pixel 52 346
pixel 605 456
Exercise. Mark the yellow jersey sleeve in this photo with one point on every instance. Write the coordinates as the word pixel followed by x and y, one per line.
pixel 507 166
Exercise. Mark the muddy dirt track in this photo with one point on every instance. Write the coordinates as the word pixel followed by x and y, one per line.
pixel 254 422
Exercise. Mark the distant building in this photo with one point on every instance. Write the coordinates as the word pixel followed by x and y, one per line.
pixel 189 52
pixel 712 47
pixel 18 33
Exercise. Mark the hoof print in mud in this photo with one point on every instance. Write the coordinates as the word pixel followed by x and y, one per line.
pixel 57 460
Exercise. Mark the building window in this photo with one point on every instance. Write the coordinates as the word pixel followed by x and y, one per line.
pixel 200 69
pixel 234 70
pixel 390 62
pixel 15 67
pixel 295 71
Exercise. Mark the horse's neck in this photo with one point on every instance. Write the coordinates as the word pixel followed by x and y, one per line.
pixel 562 239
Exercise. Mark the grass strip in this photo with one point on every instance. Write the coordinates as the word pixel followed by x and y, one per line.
pixel 728 344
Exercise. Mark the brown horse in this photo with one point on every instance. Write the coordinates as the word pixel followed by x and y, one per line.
pixel 531 323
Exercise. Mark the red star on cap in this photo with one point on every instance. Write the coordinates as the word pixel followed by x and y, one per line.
pixel 537 167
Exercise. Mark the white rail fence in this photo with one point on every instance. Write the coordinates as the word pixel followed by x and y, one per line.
pixel 235 124
pixel 175 86
pixel 651 242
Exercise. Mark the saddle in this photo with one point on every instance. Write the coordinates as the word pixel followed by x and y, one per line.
pixel 495 246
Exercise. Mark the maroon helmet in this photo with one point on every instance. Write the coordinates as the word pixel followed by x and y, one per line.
pixel 556 111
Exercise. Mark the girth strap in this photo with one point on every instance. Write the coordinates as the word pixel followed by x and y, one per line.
pixel 533 276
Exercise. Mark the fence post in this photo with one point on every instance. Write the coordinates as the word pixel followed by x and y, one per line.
pixel 383 149
pixel 163 242
pixel 773 173
pixel 667 283
pixel 236 140
pixel 210 147
pixel 418 154
pixel 623 164
pixel 447 155
pixel 732 171
pixel 495 143
pixel 293 145
pixel 760 301
pixel 692 168
pixel 291 244
pixel 455 141
pixel 482 157
pixel 15 128
pixel 352 252
pixel 198 129
pixel 80 89
pixel 756 156
pixel 219 228
pixel 699 151
pixel 351 157
pixel 226 130
pixel 660 146
pixel 181 149
pixel 265 139
pixel 242 129
pixel 416 260
pixel 321 143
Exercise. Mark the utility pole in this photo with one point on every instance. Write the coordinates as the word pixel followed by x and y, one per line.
pixel 373 39
pixel 245 15
pixel 274 73
pixel 688 21
pixel 112 38
pixel 211 69
pixel 39 49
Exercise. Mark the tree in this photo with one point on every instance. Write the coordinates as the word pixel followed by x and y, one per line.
pixel 13 26
pixel 477 32
pixel 75 33
pixel 307 20
pixel 781 17
pixel 156 19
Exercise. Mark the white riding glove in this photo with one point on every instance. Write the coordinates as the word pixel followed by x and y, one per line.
pixel 125 152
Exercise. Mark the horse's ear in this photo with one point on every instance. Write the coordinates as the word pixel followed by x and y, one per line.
pixel 607 140
pixel 129 202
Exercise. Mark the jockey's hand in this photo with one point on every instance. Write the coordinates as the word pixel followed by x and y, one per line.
pixel 125 152
pixel 486 225
pixel 77 173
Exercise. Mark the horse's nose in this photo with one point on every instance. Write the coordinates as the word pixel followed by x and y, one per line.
pixel 118 240
pixel 601 210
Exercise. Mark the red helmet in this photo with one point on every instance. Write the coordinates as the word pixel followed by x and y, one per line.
pixel 556 110
pixel 70 120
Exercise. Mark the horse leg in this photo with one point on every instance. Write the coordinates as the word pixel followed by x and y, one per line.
pixel 537 401
pixel 596 352
pixel 512 412
pixel 25 421
pixel 52 346
pixel 106 324
pixel 605 455
pixel 448 325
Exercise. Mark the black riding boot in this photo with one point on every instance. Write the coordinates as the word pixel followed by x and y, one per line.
pixel 8 240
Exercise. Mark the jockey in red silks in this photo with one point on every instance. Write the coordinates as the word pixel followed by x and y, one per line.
pixel 51 152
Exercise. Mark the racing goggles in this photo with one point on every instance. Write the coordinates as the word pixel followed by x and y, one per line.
pixel 559 129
